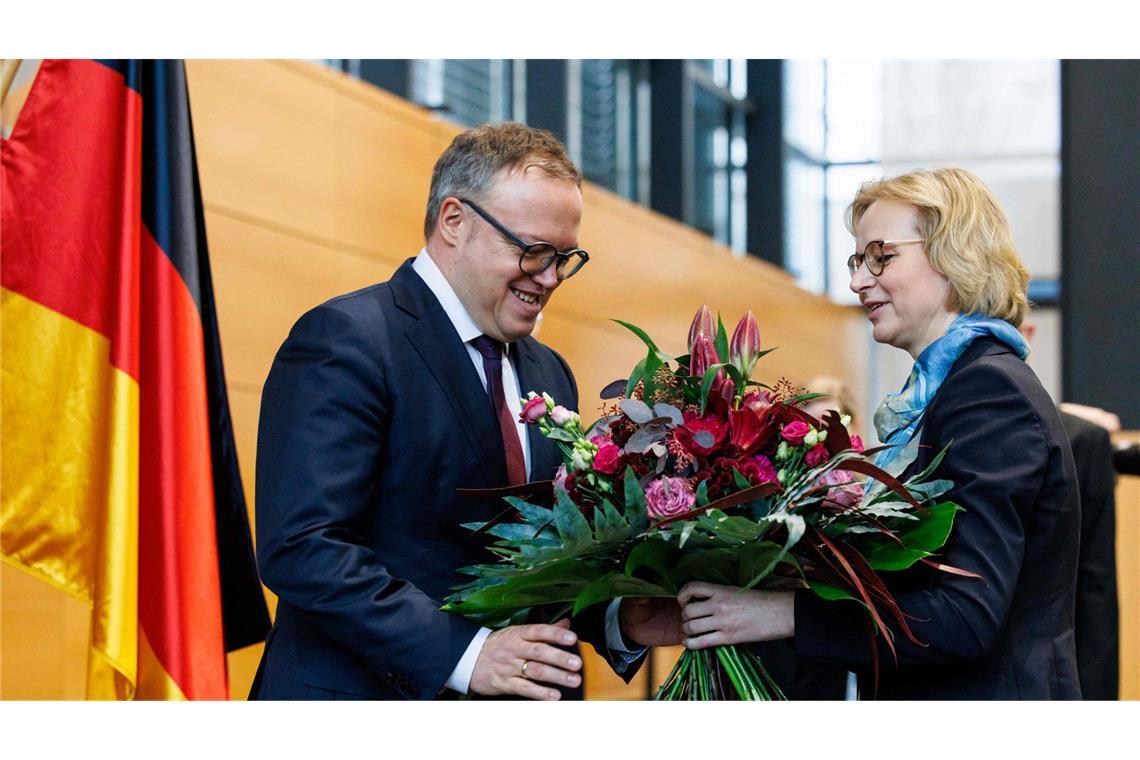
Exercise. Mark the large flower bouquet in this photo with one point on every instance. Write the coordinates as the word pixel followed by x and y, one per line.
pixel 698 472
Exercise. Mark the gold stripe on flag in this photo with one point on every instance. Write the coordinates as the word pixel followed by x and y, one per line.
pixel 69 473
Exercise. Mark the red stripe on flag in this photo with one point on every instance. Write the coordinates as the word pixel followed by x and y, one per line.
pixel 70 210
pixel 179 592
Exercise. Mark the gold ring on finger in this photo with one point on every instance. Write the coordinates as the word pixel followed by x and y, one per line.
pixel 524 667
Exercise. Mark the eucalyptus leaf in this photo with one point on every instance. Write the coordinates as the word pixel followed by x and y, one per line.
pixel 643 439
pixel 613 390
pixel 672 413
pixel 636 410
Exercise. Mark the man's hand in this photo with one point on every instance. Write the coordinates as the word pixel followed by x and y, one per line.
pixel 714 615
pixel 499 669
pixel 650 622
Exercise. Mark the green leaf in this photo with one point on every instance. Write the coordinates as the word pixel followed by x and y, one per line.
pixel 686 532
pixel 636 509
pixel 634 377
pixel 558 434
pixel 757 560
pixel 514 531
pixel 609 525
pixel 796 527
pixel 614 585
pixel 571 525
pixel 741 481
pixel 707 383
pixel 639 333
pixel 702 493
pixel 709 565
pixel 657 555
pixel 532 513
pixel 652 364
pixel 830 593
pixel 721 342
pixel 919 539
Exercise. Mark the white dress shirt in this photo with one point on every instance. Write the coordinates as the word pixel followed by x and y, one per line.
pixel 426 268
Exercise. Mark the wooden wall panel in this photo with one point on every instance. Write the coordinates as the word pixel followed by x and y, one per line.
pixel 1128 581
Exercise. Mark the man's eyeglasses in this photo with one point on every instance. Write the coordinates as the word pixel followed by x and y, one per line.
pixel 536 257
pixel 876 258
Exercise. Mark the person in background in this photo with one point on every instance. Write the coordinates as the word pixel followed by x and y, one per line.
pixel 1097 617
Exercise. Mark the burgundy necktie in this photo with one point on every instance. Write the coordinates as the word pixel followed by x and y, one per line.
pixel 492 352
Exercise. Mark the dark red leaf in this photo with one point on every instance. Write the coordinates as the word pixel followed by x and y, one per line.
pixel 951 569
pixel 864 467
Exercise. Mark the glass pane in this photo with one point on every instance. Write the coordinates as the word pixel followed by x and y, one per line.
pixel 599 122
pixel 842 184
pixel 710 164
pixel 854 110
pixel 960 109
pixel 803 106
pixel 803 203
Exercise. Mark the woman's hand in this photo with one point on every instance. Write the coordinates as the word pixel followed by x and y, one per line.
pixel 713 615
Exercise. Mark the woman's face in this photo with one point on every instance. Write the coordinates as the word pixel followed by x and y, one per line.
pixel 906 304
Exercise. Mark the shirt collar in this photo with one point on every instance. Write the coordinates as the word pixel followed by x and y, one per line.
pixel 429 272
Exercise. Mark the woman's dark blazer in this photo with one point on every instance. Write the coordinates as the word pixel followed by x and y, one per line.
pixel 1009 635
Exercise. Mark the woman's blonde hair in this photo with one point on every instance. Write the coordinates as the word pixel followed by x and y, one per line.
pixel 967 238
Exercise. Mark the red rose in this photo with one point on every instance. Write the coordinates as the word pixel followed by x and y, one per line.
pixel 607 459
pixel 816 456
pixel 794 432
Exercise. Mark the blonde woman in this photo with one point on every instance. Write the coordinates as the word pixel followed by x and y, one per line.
pixel 936 270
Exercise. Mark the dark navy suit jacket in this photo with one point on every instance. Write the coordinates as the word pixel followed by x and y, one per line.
pixel 372 416
pixel 1010 635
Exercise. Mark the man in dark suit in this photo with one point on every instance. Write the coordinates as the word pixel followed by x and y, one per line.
pixel 380 404
pixel 1097 614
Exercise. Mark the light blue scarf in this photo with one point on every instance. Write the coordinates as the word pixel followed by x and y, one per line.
pixel 898 420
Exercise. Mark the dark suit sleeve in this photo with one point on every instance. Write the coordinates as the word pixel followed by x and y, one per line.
pixel 320 444
pixel 997 460
pixel 1097 615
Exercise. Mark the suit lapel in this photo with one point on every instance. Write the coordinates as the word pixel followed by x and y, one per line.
pixel 435 340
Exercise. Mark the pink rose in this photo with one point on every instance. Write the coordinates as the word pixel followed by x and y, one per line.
pixel 561 416
pixel 534 410
pixel 794 432
pixel 847 496
pixel 856 443
pixel 600 440
pixel 835 477
pixel 607 459
pixel 669 497
pixel 816 455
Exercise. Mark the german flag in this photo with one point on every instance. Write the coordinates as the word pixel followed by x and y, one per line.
pixel 120 478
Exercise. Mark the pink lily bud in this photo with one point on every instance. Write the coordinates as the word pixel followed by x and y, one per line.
pixel 745 345
pixel 703 324
pixel 703 356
